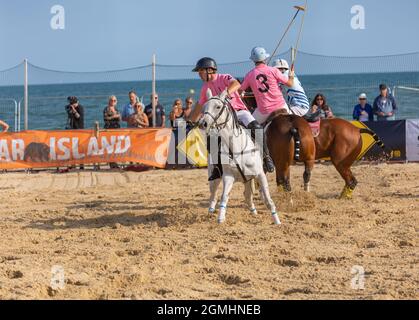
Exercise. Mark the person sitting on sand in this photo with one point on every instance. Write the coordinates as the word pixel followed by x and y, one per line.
pixel 139 119
pixel 4 125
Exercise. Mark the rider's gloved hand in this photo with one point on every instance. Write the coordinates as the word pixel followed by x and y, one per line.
pixel 227 95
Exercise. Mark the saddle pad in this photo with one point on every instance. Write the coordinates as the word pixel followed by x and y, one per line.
pixel 315 128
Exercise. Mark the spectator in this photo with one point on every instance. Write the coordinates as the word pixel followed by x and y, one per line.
pixel 363 111
pixel 111 115
pixel 112 119
pixel 75 114
pixel 4 125
pixel 319 109
pixel 385 105
pixel 177 115
pixel 129 109
pixel 139 119
pixel 188 107
pixel 160 114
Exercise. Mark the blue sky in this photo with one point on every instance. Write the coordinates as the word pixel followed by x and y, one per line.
pixel 110 34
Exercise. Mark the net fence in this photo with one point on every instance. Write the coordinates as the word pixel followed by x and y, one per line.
pixel 340 79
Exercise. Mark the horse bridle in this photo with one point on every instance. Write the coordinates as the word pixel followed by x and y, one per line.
pixel 226 104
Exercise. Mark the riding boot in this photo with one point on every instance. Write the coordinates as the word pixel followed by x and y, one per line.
pixel 268 164
pixel 217 171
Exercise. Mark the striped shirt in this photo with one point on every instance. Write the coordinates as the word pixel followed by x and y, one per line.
pixel 297 96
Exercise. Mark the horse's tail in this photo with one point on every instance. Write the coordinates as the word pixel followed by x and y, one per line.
pixel 380 143
pixel 297 143
pixel 377 139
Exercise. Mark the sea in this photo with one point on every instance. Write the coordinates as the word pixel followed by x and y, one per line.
pixel 46 110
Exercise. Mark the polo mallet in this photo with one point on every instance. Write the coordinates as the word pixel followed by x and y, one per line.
pixel 294 52
pixel 299 8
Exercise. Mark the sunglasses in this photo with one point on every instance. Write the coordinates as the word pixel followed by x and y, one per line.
pixel 362 99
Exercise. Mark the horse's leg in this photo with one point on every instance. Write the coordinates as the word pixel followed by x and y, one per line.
pixel 213 197
pixel 248 194
pixel 343 161
pixel 267 196
pixel 228 181
pixel 350 181
pixel 283 179
pixel 344 169
pixel 307 175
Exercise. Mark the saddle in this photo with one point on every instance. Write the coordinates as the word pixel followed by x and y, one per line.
pixel 315 127
pixel 277 113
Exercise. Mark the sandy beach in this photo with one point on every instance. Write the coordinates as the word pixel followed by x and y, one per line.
pixel 148 235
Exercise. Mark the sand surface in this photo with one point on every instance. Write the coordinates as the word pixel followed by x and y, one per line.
pixel 125 235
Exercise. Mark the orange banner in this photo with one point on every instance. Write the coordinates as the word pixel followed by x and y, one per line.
pixel 44 149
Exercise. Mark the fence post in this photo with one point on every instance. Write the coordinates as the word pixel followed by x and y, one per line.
pixel 19 112
pixel 153 90
pixel 26 94
pixel 16 116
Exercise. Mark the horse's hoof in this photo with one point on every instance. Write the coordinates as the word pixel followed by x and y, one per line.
pixel 254 212
pixel 275 217
pixel 222 215
pixel 221 221
pixel 307 188
pixel 211 210
pixel 347 194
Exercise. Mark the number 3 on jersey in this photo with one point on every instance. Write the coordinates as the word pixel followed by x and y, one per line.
pixel 263 79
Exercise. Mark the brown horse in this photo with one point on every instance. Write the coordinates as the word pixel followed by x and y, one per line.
pixel 289 140
pixel 338 139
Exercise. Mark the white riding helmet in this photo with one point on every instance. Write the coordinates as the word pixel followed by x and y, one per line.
pixel 281 64
pixel 259 54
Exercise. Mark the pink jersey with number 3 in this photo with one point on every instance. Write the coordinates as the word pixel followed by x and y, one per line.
pixel 264 80
pixel 217 86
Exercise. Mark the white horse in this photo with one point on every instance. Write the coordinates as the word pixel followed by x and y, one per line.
pixel 241 158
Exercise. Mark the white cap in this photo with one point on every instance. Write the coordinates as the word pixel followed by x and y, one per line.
pixel 362 96
pixel 281 64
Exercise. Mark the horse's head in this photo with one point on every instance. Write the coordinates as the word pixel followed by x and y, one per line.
pixel 216 111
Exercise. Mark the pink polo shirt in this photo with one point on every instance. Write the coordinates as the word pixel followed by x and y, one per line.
pixel 217 86
pixel 264 80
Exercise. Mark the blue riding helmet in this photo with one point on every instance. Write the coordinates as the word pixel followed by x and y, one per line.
pixel 259 54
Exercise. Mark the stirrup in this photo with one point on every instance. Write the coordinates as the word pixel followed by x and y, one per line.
pixel 215 175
